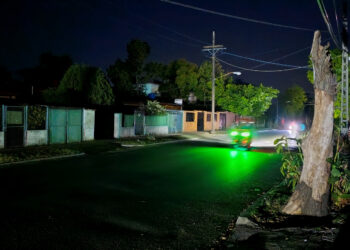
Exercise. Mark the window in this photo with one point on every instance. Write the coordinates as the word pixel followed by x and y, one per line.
pixel 208 117
pixel 189 117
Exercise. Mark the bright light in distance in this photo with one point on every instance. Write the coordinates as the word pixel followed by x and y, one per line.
pixel 233 133
pixel 245 134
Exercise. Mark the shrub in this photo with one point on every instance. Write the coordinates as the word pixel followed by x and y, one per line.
pixel 292 162
pixel 36 117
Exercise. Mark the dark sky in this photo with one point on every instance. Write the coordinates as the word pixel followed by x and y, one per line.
pixel 96 32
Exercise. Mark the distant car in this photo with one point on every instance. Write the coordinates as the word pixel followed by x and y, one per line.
pixel 242 135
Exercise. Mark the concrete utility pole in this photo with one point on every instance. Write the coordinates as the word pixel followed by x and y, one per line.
pixel 344 106
pixel 213 49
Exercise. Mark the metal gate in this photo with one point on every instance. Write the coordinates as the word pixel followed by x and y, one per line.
pixel 174 122
pixel 74 125
pixel 65 125
pixel 222 121
pixel 200 121
pixel 15 126
pixel 139 123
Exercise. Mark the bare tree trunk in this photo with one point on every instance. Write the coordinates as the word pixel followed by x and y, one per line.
pixel 312 192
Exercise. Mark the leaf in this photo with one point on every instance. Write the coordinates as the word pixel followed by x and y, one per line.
pixel 333 180
pixel 335 172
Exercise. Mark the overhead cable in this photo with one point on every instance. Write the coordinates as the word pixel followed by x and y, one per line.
pixel 236 17
pixel 265 62
pixel 327 22
pixel 256 70
pixel 172 30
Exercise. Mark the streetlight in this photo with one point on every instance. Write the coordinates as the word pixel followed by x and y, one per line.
pixel 234 73
pixel 213 98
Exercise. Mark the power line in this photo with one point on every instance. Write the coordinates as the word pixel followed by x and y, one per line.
pixel 282 57
pixel 327 22
pixel 256 70
pixel 265 62
pixel 172 30
pixel 236 17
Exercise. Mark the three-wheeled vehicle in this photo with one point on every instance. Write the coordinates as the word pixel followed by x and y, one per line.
pixel 242 135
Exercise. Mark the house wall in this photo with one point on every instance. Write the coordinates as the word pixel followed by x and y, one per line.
pixel 230 119
pixel 36 137
pixel 119 131
pixel 2 141
pixel 208 123
pixel 189 126
pixel 156 130
pixel 117 125
pixel 127 132
pixel 88 124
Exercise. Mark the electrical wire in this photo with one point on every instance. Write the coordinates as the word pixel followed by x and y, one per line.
pixel 336 18
pixel 235 17
pixel 256 70
pixel 327 22
pixel 282 57
pixel 172 30
pixel 265 62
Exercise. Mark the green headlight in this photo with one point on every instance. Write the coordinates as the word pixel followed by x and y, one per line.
pixel 233 133
pixel 245 134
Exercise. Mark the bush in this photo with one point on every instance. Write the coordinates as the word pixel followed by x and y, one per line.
pixel 36 117
pixel 292 162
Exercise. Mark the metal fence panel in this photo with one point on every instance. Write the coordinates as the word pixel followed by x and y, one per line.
pixel 57 125
pixel 156 120
pixel 74 125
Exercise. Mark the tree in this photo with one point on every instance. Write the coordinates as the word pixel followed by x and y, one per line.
pixel 247 100
pixel 125 74
pixel 48 73
pixel 293 100
pixel 203 90
pixel 312 192
pixel 81 85
pixel 186 78
pixel 154 108
pixel 336 62
pixel 180 79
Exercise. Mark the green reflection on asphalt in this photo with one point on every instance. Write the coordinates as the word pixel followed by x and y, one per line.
pixel 232 164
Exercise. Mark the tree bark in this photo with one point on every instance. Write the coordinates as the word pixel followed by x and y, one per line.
pixel 311 194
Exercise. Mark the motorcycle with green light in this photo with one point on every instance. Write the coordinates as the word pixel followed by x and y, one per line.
pixel 242 136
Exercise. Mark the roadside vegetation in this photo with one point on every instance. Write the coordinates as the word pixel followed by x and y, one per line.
pixel 89 147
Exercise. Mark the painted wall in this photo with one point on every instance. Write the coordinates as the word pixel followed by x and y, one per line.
pixel 88 124
pixel 156 130
pixel 117 125
pixel 189 126
pixel 127 132
pixel 120 131
pixel 2 141
pixel 36 137
pixel 230 119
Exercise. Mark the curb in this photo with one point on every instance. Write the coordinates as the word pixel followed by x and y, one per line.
pixel 4 165
pixel 137 147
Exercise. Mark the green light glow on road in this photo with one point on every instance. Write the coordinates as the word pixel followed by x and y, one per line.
pixel 231 165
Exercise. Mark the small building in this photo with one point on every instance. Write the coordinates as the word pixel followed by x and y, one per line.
pixel 150 89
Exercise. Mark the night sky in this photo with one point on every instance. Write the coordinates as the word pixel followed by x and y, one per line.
pixel 96 32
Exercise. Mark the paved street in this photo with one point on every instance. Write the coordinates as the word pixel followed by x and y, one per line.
pixel 262 138
pixel 179 195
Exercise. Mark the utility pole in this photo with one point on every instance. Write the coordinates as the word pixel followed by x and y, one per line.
pixel 344 107
pixel 213 49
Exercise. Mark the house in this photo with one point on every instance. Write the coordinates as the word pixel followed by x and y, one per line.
pixel 150 89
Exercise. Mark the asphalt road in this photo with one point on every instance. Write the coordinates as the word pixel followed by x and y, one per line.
pixel 263 138
pixel 173 196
